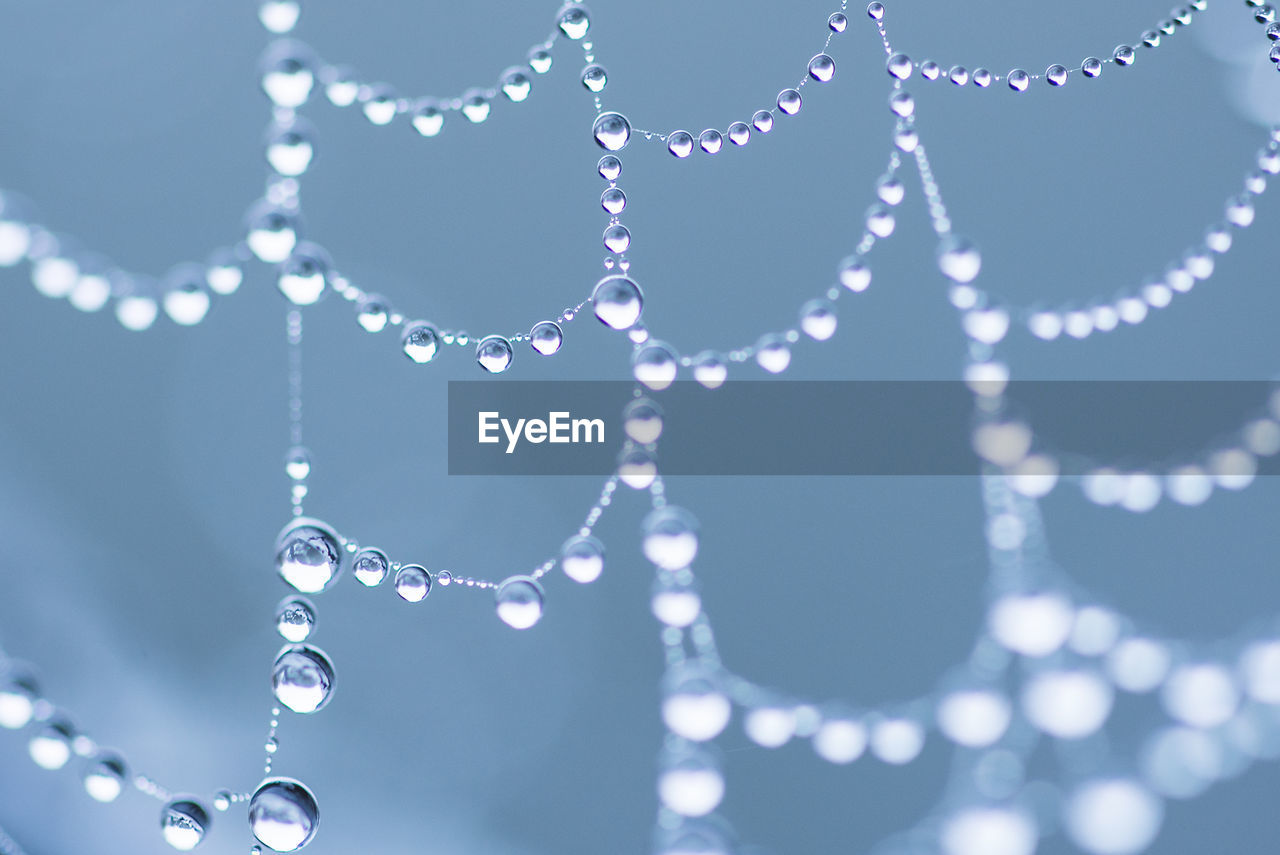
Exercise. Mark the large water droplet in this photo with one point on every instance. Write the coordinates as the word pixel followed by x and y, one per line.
pixel 413 583
pixel 617 301
pixel 789 101
pixel 370 566
pixel 739 133
pixel 295 618
pixel 822 68
pixel 540 60
pixel 773 353
pixel 612 131
pixel 1056 75
pixel 710 370
pixel 680 143
pixel 613 200
pixel 302 678
pixel 1018 80
pixel 272 232
pixel 690 783
pixel 428 118
pixel 515 84
pixel 958 259
pixel 50 747
pixel 617 238
pixel 290 147
pixel 104 779
pixel 711 141
pixel 642 421
pixel 287 73
pixel 818 319
pixel 675 599
pixel 308 555
pixel 475 106
pixel 655 365
pixel 420 341
pixel 494 354
pixel 899 66
pixel 695 704
pixel 1113 816
pixel 283 814
pixel 573 20
pixel 762 121
pixel 595 78
pixel 670 537
pixel 186 296
pixel 582 558
pixel 546 337
pixel 518 601
pixel 609 167
pixel 184 823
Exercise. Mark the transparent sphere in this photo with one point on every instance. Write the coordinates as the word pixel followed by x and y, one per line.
pixel 613 200
pixel 822 68
pixel 494 354
pixel 540 60
pixel 19 693
pixel 899 66
pixel 518 602
pixel 694 838
pixel 420 341
pixel 288 73
pixel 297 463
pixel 1091 67
pixel 875 11
pixel 880 221
pixel 854 274
pixel 582 558
pixel 1034 624
pixel 1018 80
pixel 373 313
pixel 739 133
pixel 675 600
pixel 982 78
pixel 308 555
pixel 475 106
pixel 370 567
pixel 295 618
pixel 711 141
pixel 636 468
pixel 186 297
pixel 612 131
pixel 304 276
pixel 184 823
pixel 959 75
pixel 609 167
pixel 283 814
pixel 710 369
pixel 655 365
pixel 617 301
pixel 302 678
pixel 50 747
pixel 224 273
pixel 770 725
pixel 773 353
pixel 1117 816
pixel 642 421
pixel 428 118
pixel 595 78
pixel 762 121
pixel 1124 55
pixel 271 232
pixel 1056 75
pixel 413 583
pixel 837 23
pixel 680 143
pixel 573 20
pixel 958 259
pixel 670 537
pixel 379 103
pixel 897 741
pixel 616 238
pixel 890 190
pixel 1202 694
pixel 690 783
pixel 789 101
pixel 104 779
pixel 290 147
pixel 278 16
pixel 840 740
pixel 515 84
pixel 930 70
pixel 902 104
pixel 343 89
pixel 695 704
pixel 546 337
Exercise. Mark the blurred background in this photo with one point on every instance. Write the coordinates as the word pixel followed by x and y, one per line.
pixel 141 477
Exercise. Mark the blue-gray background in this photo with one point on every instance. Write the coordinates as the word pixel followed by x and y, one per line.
pixel 140 477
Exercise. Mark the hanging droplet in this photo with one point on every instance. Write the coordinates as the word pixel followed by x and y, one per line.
pixel 302 678
pixel 789 101
pixel 609 167
pixel 854 274
pixel 295 619
pixel 1018 80
pixel 655 365
pixel 420 341
pixel 186 296
pixel 283 814
pixel 19 693
pixel 540 60
pixel 958 259
pixel 902 104
pixel 710 370
pixel 637 468
pixel 290 147
pixel 773 353
pixel 710 141
pixel 680 143
pixel 515 84
pixel 50 747
pixel 223 274
pixel 899 66
pixel 875 11
pixel 617 301
pixel 494 354
pixel 982 78
pixel 959 75
pixel 617 238
pixel 582 558
pixel 1056 75
pixel 694 704
pixel 762 121
pixel 822 68
pixel 837 23
pixel 373 313
pixel 518 601
pixel 739 133
pixel 613 200
pixel 279 16
pixel 104 779
pixel 690 783
pixel 413 583
pixel 818 319
pixel 1124 55
pixel 428 118
pixel 305 274
pixel 272 232
pixel 1116 816
pixel 880 221
pixel 343 89
pixel 184 823
pixel 573 20
pixel 546 337
pixel 1091 67
pixel 612 131
pixel 642 421
pixel 670 537
pixel 297 463
pixel 475 106
pixel 890 190
pixel 380 103
pixel 222 800
pixel 287 73
pixel 136 311
pixel 595 78
pixel 370 567
pixel 308 555
pixel 675 600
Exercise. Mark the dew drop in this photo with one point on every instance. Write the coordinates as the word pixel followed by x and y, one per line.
pixel 710 141
pixel 695 705
pixel 302 678
pixel 609 167
pixel 739 133
pixel 428 118
pixel 295 619
pixel 272 232
pixel 595 78
pixel 373 313
pixel 515 84
pixel 379 103
pixel 50 747
pixel 19 693
pixel 612 131
pixel 710 370
pixel 370 566
pixel 762 121
pixel 582 558
pixel 958 259
pixel 680 144
pixel 1113 816
pixel 875 11
pixel 899 66
pixel 1124 55
pixel 574 21
pixel 343 89
pixel 540 60
pixel 420 341
pixel 494 354
pixel 617 301
pixel 475 106
pixel 981 78
pixel 308 555
pixel 305 274
pixel 279 16
pixel 642 421
pixel 1091 67
pixel 613 200
pixel 822 68
pixel 959 75
pixel 818 319
pixel 880 221
pixel 183 823
pixel 1018 80
pixel 837 22
pixel 655 365
pixel 1056 75
pixel 546 337
pixel 617 238
pixel 789 101
pixel 675 600
pixel 773 353
pixel 690 783
pixel 287 73
pixel 186 296
pixel 518 601
pixel 283 814
pixel 670 537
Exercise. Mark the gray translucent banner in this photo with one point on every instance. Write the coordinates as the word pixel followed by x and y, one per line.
pixel 846 427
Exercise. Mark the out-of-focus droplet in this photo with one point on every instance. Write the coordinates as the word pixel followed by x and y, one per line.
pixel 518 602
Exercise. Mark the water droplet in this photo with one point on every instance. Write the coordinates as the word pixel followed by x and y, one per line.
pixel 420 341
pixel 272 232
pixel 818 319
pixel 283 814
pixel 595 78
pixel 695 705
pixel 880 221
pixel 515 84
pixel 982 78
pixel 272 745
pixel 670 537
pixel 840 740
pixel 609 167
pixel 380 103
pixel 694 838
pixel 642 421
pixel 897 741
pixel 612 131
pixel 494 354
pixel 518 601
pixel 709 370
pixel 974 718
pixel 875 11
pixel 675 600
pixel 573 20
pixel 370 566
pixel 413 583
pixel 1091 67
pixel 773 354
pixel 475 106
pixel 290 147
pixel 617 301
pixel 617 238
pixel 302 678
pixel 1018 80
pixel 762 121
pixel 1069 704
pixel 546 337
pixel 710 141
pixel 958 259
pixel 637 468
pixel 989 831
pixel 582 558
pixel 739 133
pixel 183 823
pixel 1240 212
pixel 540 60
pixel 899 66
pixel 959 75
pixel 279 16
pixel 308 555
pixel 822 68
pixel 222 800
pixel 186 296
pixel 287 73
pixel 223 274
pixel 690 783
pixel 1056 75
pixel 1113 816
pixel 305 274
pixel 1202 695
pixel 428 118
pixel 50 747
pixel 680 143
pixel 295 619
pixel 655 365
pixel 902 104
pixel 297 463
pixel 613 200
pixel 373 313
pixel 837 23
pixel 19 693
pixel 1124 55
pixel 789 101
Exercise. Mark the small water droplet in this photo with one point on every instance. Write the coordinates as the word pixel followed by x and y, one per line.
pixel 959 259
pixel 709 370
pixel 420 341
pixel 515 84
pixel 582 558
pixel 428 118
pixel 595 78
pixel 105 777
pixel 546 337
pixel 818 319
pixel 899 66
pixel 304 275
pixel 184 822
pixel 710 141
pixel 518 602
pixel 680 143
pixel 670 537
pixel 379 103
pixel 762 121
pixel 1056 75
pixel 288 73
pixel 494 354
pixel 475 106
pixel 617 301
pixel 655 364
pixel 609 167
pixel 617 238
pixel 837 22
